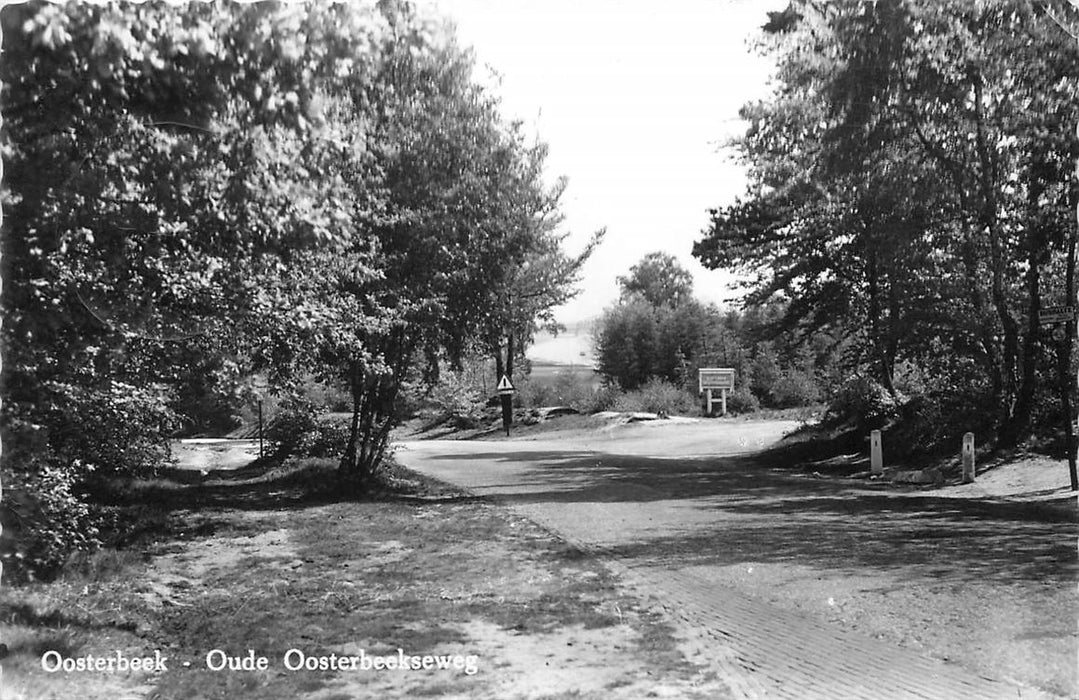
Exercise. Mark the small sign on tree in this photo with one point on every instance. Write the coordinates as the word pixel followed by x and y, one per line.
pixel 1056 314
pixel 505 387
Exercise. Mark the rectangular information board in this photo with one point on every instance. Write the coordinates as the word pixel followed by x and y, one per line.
pixel 1056 314
pixel 716 378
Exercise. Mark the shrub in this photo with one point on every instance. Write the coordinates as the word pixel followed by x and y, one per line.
pixel 301 429
pixel 55 455
pixel 602 399
pixel 657 396
pixel 566 388
pixel 863 401
pixel 326 397
pixel 742 400
pixel 45 517
pixel 533 394
pixel 118 428
pixel 458 400
pixel 935 422
pixel 764 372
pixel 794 388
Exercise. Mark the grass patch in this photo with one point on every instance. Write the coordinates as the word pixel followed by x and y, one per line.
pixel 256 561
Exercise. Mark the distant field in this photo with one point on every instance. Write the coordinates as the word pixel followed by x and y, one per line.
pixel 574 347
pixel 546 373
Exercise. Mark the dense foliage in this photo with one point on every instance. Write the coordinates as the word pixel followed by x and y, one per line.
pixel 198 192
pixel 912 190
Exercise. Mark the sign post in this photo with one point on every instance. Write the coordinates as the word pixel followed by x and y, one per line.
pixel 710 379
pixel 505 394
pixel 261 388
pixel 260 427
pixel 1062 319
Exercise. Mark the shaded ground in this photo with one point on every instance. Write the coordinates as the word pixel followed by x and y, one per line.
pixel 241 561
pixel 986 582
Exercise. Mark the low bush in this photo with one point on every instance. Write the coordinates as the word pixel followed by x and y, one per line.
pixel 458 401
pixel 59 456
pixel 742 400
pixel 793 389
pixel 658 396
pixel 934 422
pixel 300 429
pixel 864 402
pixel 115 429
pixel 603 398
pixel 46 517
pixel 565 389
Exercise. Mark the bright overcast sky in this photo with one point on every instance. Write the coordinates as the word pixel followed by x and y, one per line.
pixel 634 99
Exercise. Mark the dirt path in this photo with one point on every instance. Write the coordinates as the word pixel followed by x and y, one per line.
pixel 208 454
pixel 819 586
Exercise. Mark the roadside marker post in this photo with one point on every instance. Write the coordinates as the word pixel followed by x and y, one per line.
pixel 260 427
pixel 505 394
pixel 710 379
pixel 876 454
pixel 968 458
pixel 1062 321
pixel 261 389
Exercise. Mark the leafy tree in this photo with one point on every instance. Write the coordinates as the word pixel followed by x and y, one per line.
pixel 163 165
pixel 909 186
pixel 658 279
pixel 455 243
pixel 196 192
pixel 627 343
pixel 524 295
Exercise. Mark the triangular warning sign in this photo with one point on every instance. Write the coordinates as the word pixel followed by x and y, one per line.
pixel 504 384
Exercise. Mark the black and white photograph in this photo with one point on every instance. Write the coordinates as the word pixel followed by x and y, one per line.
pixel 539 350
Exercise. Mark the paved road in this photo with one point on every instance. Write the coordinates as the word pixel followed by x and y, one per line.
pixel 668 508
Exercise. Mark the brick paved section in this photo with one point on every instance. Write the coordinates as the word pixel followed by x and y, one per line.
pixel 768 652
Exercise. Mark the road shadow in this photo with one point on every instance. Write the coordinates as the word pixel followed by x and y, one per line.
pixel 161 506
pixel 764 513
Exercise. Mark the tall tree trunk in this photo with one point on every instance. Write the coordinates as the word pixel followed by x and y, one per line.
pixel 510 349
pixel 876 325
pixel 989 219
pixel 1064 356
pixel 1019 422
pixel 347 466
pixel 891 346
pixel 983 331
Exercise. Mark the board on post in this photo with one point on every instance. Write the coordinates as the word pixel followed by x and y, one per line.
pixel 710 379
pixel 505 395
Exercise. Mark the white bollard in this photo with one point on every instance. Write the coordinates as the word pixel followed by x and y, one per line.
pixel 876 457
pixel 968 458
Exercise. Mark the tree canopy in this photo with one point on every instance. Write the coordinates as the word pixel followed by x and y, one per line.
pixel 659 280
pixel 910 186
pixel 223 188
